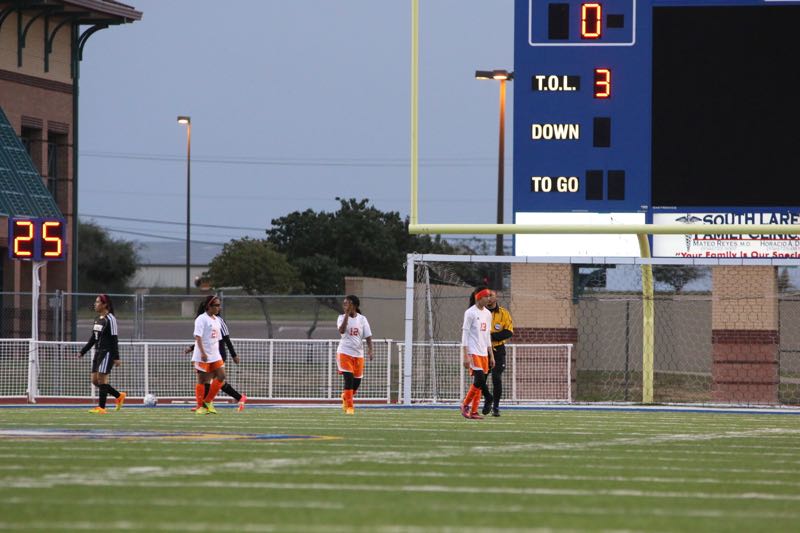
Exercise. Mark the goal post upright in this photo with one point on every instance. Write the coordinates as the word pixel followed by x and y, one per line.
pixel 648 322
pixel 414 215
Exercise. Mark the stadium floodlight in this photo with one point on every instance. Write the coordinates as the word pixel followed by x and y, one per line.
pixel 499 74
pixel 502 76
pixel 187 121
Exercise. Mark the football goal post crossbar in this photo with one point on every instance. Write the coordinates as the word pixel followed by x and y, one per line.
pixel 598 229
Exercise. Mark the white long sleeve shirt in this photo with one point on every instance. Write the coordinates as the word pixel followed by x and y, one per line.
pixel 476 333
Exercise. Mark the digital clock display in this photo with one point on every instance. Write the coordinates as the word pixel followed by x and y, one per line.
pixel 37 239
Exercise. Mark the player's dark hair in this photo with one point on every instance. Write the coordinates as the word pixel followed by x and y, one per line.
pixel 476 291
pixel 203 307
pixel 355 301
pixel 107 302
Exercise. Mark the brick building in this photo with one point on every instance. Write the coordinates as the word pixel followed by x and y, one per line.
pixel 41 46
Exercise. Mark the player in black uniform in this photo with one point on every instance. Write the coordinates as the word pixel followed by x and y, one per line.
pixel 106 352
pixel 225 341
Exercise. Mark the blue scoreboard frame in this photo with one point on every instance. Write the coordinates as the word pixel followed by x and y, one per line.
pixel 584 136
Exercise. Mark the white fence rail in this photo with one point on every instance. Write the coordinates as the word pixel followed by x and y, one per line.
pixel 534 373
pixel 269 370
pixel 280 370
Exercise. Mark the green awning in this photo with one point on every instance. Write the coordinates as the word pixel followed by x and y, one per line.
pixel 22 191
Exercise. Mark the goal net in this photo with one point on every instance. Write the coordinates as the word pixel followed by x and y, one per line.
pixel 712 332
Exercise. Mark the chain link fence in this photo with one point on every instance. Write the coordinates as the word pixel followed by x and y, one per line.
pixel 67 316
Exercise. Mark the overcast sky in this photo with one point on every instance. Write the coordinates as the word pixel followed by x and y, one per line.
pixel 293 103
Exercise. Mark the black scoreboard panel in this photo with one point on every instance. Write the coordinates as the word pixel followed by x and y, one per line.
pixel 726 106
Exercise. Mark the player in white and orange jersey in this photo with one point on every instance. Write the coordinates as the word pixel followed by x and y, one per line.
pixel 476 350
pixel 206 357
pixel 354 329
pixel 225 342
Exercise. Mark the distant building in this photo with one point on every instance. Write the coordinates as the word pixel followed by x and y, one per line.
pixel 41 45
pixel 163 264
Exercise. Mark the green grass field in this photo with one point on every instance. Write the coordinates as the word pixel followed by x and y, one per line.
pixel 397 470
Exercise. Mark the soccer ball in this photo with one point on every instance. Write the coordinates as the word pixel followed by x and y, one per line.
pixel 150 400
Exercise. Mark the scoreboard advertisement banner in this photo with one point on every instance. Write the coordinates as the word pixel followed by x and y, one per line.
pixel 772 246
pixel 657 111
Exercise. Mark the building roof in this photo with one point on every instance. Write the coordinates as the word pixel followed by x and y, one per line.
pixel 22 191
pixel 160 253
pixel 84 11
pixel 103 8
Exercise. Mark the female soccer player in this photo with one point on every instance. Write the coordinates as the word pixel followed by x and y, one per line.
pixel 106 353
pixel 240 399
pixel 354 328
pixel 206 357
pixel 476 350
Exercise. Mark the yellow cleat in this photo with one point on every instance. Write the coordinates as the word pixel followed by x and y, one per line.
pixel 349 411
pixel 201 411
pixel 119 401
pixel 210 408
pixel 98 410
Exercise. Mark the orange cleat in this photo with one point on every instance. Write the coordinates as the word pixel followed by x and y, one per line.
pixel 242 401
pixel 119 401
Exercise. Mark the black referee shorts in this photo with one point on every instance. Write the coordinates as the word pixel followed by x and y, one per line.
pixel 102 362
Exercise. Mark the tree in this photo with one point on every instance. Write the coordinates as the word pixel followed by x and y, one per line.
pixel 356 240
pixel 256 267
pixel 678 276
pixel 104 264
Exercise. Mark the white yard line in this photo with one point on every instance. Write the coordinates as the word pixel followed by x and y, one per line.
pixel 550 477
pixel 271 465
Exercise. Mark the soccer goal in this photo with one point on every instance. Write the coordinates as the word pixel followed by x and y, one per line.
pixel 717 331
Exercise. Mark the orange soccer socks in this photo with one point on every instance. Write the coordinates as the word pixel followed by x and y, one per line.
pixel 216 385
pixel 348 398
pixel 199 393
pixel 473 399
pixel 476 400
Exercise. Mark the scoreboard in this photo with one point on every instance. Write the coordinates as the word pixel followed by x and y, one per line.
pixel 657 111
pixel 37 239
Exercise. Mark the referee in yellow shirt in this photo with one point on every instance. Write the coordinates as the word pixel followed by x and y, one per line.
pixel 502 330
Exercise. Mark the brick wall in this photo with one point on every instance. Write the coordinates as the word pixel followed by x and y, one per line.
pixel 542 296
pixel 744 337
pixel 542 307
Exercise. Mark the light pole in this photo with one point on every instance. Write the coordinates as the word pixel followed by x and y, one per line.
pixel 502 76
pixel 188 121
